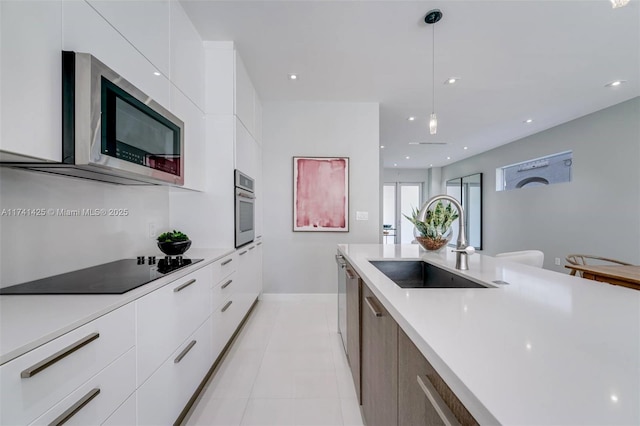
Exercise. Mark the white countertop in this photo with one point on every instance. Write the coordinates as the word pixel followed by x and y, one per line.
pixel 27 322
pixel 546 349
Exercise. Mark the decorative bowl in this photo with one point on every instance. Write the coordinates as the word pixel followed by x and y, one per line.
pixel 433 243
pixel 174 248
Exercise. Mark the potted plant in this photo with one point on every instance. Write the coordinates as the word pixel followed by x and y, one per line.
pixel 173 243
pixel 435 231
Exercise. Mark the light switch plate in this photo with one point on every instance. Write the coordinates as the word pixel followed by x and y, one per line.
pixel 362 215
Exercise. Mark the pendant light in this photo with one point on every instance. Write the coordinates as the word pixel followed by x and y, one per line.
pixel 619 3
pixel 432 17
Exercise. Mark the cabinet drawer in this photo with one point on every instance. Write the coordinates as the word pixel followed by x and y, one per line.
pixel 161 399
pixel 95 400
pixel 34 382
pixel 225 320
pixel 166 317
pixel 125 415
pixel 224 289
pixel 224 267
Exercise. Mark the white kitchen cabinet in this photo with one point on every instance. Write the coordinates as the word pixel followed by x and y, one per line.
pixel 246 151
pixel 30 88
pixel 153 38
pixel 229 89
pixel 257 133
pixel 187 56
pixel 245 96
pixel 166 317
pixel 84 30
pixel 102 395
pixel 162 398
pixel 125 415
pixel 32 384
pixel 195 161
pixel 219 60
pixel 248 269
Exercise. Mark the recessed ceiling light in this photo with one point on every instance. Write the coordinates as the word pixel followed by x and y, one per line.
pixel 451 80
pixel 466 147
pixel 448 158
pixel 382 146
pixel 412 118
pixel 614 398
pixel 615 83
pixel 528 120
pixel 395 164
pixel 156 73
pixel 293 76
pixel 430 165
pixel 407 157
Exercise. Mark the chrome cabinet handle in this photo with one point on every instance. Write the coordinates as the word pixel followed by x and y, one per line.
pixel 226 262
pixel 259 243
pixel 184 352
pixel 370 303
pixel 225 285
pixel 183 286
pixel 252 247
pixel 438 404
pixel 49 361
pixel 71 411
pixel 225 307
pixel 350 274
pixel 243 252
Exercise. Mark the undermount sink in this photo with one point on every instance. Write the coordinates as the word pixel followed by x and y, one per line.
pixel 418 274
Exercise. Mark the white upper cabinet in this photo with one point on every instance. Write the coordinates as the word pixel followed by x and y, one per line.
pixel 187 56
pixel 219 77
pixel 245 96
pixel 145 24
pixel 258 121
pixel 229 89
pixel 30 88
pixel 84 30
pixel 195 161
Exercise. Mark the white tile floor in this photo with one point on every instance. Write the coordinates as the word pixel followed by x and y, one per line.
pixel 286 367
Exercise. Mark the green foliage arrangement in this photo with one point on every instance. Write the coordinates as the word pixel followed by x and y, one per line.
pixel 172 237
pixel 437 222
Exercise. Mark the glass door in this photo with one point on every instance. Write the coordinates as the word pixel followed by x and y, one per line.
pixel 399 199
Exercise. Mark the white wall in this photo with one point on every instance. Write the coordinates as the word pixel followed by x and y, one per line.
pixel 303 262
pixel 597 213
pixel 33 247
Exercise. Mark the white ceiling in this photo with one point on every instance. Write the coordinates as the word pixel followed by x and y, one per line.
pixel 545 60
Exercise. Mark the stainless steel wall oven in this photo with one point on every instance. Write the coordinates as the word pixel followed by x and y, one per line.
pixel 244 209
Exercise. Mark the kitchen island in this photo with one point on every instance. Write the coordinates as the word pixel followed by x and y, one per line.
pixel 539 348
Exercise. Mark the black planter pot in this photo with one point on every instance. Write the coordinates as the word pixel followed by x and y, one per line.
pixel 174 248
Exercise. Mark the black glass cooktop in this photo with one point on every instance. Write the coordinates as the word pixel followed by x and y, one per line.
pixel 116 277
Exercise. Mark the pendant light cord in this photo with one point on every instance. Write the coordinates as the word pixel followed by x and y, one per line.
pixel 433 69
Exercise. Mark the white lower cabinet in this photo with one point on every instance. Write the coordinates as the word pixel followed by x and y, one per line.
pixel 33 383
pixel 167 316
pixel 139 364
pixel 93 402
pixel 125 415
pixel 161 398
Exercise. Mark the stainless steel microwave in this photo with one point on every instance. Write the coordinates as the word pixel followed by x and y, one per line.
pixel 112 131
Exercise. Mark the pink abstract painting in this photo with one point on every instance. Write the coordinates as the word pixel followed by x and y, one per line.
pixel 321 194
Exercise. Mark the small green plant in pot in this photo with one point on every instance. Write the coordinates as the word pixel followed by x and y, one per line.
pixel 435 231
pixel 173 243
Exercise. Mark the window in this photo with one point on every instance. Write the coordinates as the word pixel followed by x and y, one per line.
pixel 555 168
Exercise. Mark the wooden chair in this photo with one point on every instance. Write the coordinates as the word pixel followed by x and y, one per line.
pixel 581 259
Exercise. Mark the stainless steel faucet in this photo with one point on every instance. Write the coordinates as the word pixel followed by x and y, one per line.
pixel 463 249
